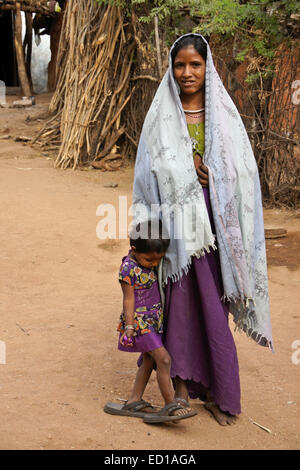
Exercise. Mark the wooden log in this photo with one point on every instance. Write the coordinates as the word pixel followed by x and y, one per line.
pixel 112 142
pixel 25 85
pixel 271 233
pixel 104 165
pixel 145 77
pixel 29 8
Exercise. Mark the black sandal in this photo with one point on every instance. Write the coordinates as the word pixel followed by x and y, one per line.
pixel 165 414
pixel 133 409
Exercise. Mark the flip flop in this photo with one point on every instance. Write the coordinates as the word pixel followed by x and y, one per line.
pixel 133 409
pixel 164 415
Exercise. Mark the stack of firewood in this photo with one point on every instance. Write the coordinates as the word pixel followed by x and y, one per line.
pixel 95 61
pixel 95 120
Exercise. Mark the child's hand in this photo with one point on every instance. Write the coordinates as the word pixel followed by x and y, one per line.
pixel 127 338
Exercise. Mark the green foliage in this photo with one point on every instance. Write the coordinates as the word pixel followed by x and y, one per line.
pixel 258 25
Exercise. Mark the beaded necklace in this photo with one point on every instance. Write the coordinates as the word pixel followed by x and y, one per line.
pixel 194 113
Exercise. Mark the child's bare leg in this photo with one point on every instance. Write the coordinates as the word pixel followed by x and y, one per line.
pixel 163 366
pixel 142 378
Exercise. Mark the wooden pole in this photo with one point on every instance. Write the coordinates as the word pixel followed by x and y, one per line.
pixel 27 44
pixel 31 9
pixel 24 82
pixel 159 63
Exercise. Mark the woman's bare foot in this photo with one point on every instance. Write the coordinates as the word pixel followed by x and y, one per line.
pixel 223 418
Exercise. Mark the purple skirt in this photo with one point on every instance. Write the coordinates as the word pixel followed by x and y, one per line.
pixel 197 335
pixel 143 343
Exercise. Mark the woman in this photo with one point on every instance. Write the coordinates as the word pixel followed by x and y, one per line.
pixel 194 155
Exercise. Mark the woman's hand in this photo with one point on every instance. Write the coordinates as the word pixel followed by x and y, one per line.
pixel 201 171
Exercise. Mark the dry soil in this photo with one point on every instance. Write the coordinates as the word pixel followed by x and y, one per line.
pixel 59 307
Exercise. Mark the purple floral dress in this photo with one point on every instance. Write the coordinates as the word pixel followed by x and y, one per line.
pixel 148 314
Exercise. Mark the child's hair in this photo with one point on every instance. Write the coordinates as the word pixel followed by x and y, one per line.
pixel 149 237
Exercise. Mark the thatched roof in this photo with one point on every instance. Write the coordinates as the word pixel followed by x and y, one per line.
pixel 33 6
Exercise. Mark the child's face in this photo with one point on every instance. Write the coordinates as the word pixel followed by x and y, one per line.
pixel 147 260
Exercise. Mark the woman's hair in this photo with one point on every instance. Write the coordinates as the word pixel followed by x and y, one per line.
pixel 191 39
pixel 149 237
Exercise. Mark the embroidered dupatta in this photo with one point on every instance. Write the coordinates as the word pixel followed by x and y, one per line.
pixel 165 176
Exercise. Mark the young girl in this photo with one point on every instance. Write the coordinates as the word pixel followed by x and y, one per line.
pixel 141 328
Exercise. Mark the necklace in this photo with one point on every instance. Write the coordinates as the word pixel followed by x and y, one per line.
pixel 194 116
pixel 194 111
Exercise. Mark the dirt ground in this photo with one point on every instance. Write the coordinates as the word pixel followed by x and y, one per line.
pixel 59 307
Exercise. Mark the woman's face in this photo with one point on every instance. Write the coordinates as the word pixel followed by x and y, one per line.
pixel 189 70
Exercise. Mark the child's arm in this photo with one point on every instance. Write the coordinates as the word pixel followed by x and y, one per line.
pixel 128 308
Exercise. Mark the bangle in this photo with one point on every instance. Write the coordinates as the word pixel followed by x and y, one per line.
pixel 129 327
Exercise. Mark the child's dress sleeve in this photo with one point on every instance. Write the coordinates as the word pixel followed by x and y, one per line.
pixel 128 273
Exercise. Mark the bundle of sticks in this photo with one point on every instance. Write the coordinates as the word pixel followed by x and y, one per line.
pixel 94 64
